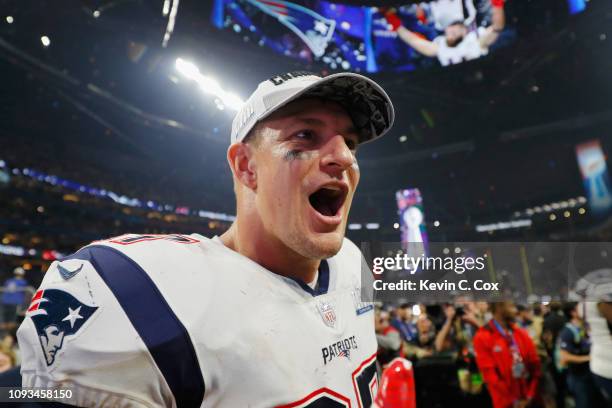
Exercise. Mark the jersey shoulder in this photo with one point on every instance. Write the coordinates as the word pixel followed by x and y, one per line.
pixel 153 253
pixel 110 302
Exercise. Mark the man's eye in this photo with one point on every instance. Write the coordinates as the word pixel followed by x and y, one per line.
pixel 305 135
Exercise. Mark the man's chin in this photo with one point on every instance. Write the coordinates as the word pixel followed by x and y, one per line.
pixel 323 246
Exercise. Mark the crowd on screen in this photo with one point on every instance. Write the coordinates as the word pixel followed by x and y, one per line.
pixel 469 348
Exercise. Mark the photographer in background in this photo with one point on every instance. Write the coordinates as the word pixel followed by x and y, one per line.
pixel 455 338
pixel 458 329
pixel 422 345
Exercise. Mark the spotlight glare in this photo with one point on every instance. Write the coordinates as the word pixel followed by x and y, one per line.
pixel 208 85
pixel 45 41
pixel 187 68
pixel 233 101
pixel 10 19
pixel 96 13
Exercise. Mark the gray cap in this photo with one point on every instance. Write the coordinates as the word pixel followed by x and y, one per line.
pixel 365 101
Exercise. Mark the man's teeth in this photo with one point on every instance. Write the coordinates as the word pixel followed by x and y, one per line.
pixel 334 191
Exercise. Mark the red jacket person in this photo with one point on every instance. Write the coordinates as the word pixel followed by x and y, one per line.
pixel 507 358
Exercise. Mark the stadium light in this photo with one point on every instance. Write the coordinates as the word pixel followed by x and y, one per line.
pixel 45 41
pixel 10 19
pixel 187 68
pixel 208 84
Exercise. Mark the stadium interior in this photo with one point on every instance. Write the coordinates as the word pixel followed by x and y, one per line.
pixel 103 133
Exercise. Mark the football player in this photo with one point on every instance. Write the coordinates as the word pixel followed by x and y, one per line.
pixel 267 314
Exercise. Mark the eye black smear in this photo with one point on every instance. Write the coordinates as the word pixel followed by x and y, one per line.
pixel 293 155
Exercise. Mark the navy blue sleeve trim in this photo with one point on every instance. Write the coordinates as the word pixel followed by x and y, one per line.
pixel 160 329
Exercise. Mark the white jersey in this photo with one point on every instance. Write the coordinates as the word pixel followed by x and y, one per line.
pixel 445 12
pixel 468 49
pixel 183 321
pixel 595 287
pixel 601 341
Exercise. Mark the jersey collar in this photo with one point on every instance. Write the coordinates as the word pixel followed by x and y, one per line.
pixel 322 281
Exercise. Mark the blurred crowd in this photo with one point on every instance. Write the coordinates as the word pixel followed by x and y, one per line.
pixel 15 295
pixel 494 354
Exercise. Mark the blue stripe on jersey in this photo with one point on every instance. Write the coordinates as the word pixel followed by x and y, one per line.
pixel 160 329
pixel 322 282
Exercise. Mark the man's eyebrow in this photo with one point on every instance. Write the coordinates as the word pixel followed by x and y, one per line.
pixel 351 130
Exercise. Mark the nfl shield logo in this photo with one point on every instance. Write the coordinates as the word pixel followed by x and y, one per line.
pixel 327 313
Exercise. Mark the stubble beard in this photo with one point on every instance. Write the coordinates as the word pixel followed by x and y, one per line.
pixel 313 249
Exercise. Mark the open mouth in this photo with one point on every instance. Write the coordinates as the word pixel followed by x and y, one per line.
pixel 328 200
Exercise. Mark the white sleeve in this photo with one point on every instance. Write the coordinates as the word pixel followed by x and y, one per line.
pixel 76 335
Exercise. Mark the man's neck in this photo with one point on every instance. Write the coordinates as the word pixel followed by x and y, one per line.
pixel 576 322
pixel 269 252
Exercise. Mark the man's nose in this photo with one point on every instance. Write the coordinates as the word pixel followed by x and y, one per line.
pixel 337 156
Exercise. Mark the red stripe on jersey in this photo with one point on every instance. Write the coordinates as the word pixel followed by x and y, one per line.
pixel 312 396
pixel 36 300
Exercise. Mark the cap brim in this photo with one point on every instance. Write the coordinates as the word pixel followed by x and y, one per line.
pixel 365 101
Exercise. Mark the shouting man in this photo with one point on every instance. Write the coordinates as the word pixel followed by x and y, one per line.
pixel 166 322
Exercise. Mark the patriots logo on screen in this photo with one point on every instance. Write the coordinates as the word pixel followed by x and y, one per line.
pixel 314 29
pixel 57 314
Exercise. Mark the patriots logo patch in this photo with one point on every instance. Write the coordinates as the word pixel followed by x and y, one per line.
pixel 57 314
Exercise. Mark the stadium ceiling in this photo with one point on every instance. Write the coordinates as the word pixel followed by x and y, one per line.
pixel 543 94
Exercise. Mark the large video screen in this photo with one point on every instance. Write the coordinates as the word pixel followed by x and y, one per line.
pixel 412 222
pixel 594 170
pixel 373 39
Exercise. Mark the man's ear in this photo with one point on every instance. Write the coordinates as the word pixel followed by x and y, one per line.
pixel 242 162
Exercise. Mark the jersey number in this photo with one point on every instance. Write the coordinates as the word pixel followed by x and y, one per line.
pixel 364 383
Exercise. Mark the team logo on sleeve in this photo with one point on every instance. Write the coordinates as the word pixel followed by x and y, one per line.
pixel 57 314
